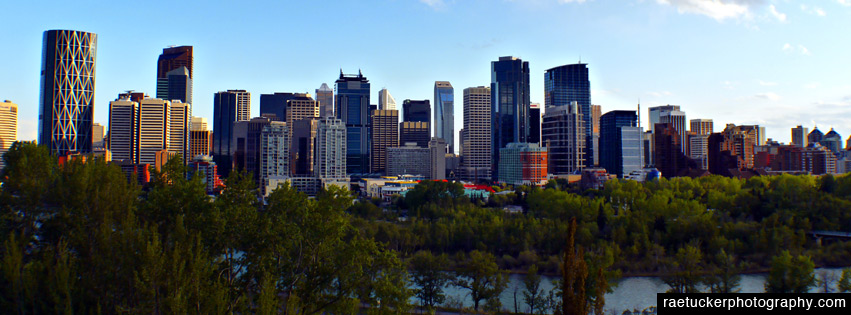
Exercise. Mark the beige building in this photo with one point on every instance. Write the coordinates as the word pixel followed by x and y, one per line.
pixel 701 126
pixel 300 107
pixel 476 140
pixel 8 127
pixel 385 134
pixel 123 140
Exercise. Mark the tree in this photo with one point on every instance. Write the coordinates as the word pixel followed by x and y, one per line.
pixel 533 295
pixel 790 274
pixel 724 276
pixel 685 271
pixel 845 281
pixel 481 275
pixel 825 280
pixel 428 276
pixel 574 272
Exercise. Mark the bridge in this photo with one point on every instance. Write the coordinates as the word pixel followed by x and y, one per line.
pixel 830 235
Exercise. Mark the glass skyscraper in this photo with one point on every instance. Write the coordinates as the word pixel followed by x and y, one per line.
pixel 352 107
pixel 566 84
pixel 621 142
pixel 67 91
pixel 444 117
pixel 509 105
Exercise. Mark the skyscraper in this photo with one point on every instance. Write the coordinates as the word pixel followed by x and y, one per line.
pixel 98 134
pixel 509 104
pixel 174 58
pixel 330 150
pixel 300 106
pixel 596 112
pixel 385 100
pixel 671 114
pixel 325 96
pixel 123 124
pixel 437 158
pixel 414 131
pixel 67 91
pixel 701 126
pixel 274 151
pixel 302 149
pixel 535 123
pixel 476 139
pixel 225 109
pixel 174 74
pixel 444 113
pixel 385 134
pixel 178 130
pixel 153 129
pixel 274 106
pixel 247 146
pixel 563 134
pixel 243 104
pixel 414 110
pixel 8 128
pixel 352 107
pixel 799 136
pixel 566 84
pixel 621 143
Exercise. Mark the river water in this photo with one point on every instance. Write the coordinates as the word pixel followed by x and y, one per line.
pixel 630 293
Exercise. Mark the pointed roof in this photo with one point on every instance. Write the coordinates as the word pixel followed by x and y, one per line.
pixel 324 88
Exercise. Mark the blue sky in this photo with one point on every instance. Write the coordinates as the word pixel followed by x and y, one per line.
pixel 777 63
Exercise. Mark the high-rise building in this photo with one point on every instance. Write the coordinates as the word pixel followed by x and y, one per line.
pixel 509 104
pixel 302 146
pixel 247 146
pixel 621 142
pixel 535 123
pixel 299 107
pixel 414 131
pixel 243 104
pixel 200 143
pixel 566 84
pixel 325 96
pixel 205 167
pixel 701 126
pixel 274 106
pixel 476 134
pixel 416 111
pixel 698 148
pixel 176 86
pixel 385 134
pixel 67 91
pixel 815 135
pixel 563 134
pixel 444 113
pixel 352 107
pixel 198 123
pixel 331 147
pixel 799 136
pixel 385 100
pixel 671 114
pixel 732 148
pixel 173 58
pixel 437 158
pixel 98 134
pixel 523 164
pixel 668 153
pixel 8 128
pixel 178 130
pixel 832 141
pixel 274 152
pixel 225 113
pixel 409 159
pixel 123 124
pixel 596 112
pixel 153 129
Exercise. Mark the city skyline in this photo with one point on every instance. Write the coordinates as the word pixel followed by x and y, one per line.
pixel 769 63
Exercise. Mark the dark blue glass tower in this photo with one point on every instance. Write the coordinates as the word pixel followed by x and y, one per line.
pixel 509 105
pixel 620 142
pixel 224 115
pixel 274 106
pixel 352 107
pixel 414 111
pixel 566 84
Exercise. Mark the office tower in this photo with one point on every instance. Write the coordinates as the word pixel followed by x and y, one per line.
pixel 698 149
pixel 299 107
pixel 177 85
pixel 173 58
pixel 325 96
pixel 8 128
pixel 67 91
pixel 152 130
pixel 596 112
pixel 123 124
pixel 200 143
pixel 799 136
pixel 563 134
pixel 444 113
pixel 198 123
pixel 701 126
pixel 621 143
pixel 476 135
pixel 274 152
pixel 535 123
pixel 673 115
pixel 351 105
pixel 409 159
pixel 414 131
pixel 385 134
pixel 566 84
pixel 832 141
pixel 331 146
pixel 178 130
pixel 818 160
pixel 523 164
pixel 414 111
pixel 732 148
pixel 246 146
pixel 302 149
pixel 815 136
pixel 225 113
pixel 274 106
pixel 509 104
pixel 437 158
pixel 668 154
pixel 385 100
pixel 98 134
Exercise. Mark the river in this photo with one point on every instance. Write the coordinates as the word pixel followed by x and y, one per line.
pixel 630 292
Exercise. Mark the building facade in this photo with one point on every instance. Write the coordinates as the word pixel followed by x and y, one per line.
pixel 226 105
pixel 386 100
pixel 67 91
pixel 352 107
pixel 535 123
pixel 302 150
pixel 123 124
pixel 621 143
pixel 331 148
pixel 325 96
pixel 444 113
pixel 8 128
pixel 409 159
pixel 274 152
pixel 385 134
pixel 799 136
pixel 509 105
pixel 414 131
pixel 524 164
pixel 247 146
pixel 566 84
pixel 437 158
pixel 416 111
pixel 563 134
pixel 476 134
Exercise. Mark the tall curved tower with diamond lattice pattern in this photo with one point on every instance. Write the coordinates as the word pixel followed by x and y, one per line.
pixel 67 91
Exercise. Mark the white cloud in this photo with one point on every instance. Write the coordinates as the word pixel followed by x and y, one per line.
pixel 819 12
pixel 766 83
pixel 777 15
pixel 813 10
pixel 717 9
pixel 788 48
pixel 436 4
pixel 768 96
pixel 846 3
pixel 571 1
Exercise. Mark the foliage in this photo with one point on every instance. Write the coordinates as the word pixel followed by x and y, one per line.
pixel 790 274
pixel 427 274
pixel 482 277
